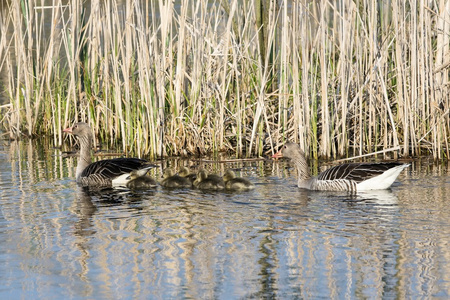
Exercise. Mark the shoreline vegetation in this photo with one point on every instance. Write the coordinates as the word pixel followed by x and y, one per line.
pixel 343 78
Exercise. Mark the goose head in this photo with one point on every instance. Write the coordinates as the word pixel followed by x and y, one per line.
pixel 289 150
pixel 79 129
pixel 229 174
pixel 168 172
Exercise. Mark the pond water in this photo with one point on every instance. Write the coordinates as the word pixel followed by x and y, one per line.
pixel 277 241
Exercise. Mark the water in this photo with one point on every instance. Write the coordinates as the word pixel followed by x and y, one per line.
pixel 277 241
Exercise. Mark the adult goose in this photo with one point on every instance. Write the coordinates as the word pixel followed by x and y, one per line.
pixel 236 183
pixel 102 173
pixel 351 177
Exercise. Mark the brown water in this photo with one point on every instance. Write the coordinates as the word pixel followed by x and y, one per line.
pixel 58 241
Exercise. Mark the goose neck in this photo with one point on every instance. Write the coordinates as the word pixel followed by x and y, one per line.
pixel 85 153
pixel 302 167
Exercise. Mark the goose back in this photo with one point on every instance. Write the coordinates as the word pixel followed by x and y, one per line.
pixel 104 172
pixel 357 172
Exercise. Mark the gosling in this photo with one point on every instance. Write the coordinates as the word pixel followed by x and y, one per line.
pixel 172 180
pixel 184 172
pixel 236 183
pixel 140 180
pixel 205 182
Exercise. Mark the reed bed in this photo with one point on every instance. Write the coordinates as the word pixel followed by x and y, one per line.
pixel 155 78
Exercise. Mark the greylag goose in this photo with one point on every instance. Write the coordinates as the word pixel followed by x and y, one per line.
pixel 351 177
pixel 236 183
pixel 172 180
pixel 102 173
pixel 139 179
pixel 208 182
pixel 184 172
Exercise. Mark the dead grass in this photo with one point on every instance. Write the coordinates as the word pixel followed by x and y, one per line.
pixel 341 78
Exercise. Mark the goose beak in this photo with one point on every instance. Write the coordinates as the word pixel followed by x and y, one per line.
pixel 277 155
pixel 68 130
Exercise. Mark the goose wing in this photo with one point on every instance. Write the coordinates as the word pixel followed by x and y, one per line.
pixel 108 169
pixel 357 172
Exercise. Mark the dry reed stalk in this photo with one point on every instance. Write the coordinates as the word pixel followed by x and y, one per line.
pixel 224 71
pixel 328 75
pixel 370 154
pixel 118 56
pixel 442 74
pixel 284 89
pixel 261 90
pixel 180 67
pixel 346 43
pixel 323 61
pixel 294 40
pixel 304 111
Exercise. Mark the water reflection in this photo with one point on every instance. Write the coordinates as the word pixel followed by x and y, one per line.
pixel 85 210
pixel 275 241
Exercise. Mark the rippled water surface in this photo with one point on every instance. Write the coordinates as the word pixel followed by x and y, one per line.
pixel 58 241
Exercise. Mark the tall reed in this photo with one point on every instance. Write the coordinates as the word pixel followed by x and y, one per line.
pixel 192 77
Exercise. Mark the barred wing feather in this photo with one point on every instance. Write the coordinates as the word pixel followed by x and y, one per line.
pixel 357 172
pixel 104 171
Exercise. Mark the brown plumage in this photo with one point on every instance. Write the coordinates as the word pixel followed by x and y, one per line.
pixel 184 172
pixel 208 182
pixel 172 180
pixel 139 180
pixel 236 183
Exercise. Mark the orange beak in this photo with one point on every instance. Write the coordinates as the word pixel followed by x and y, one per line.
pixel 68 130
pixel 277 155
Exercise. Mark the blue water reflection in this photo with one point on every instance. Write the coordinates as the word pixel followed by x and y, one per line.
pixel 58 240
